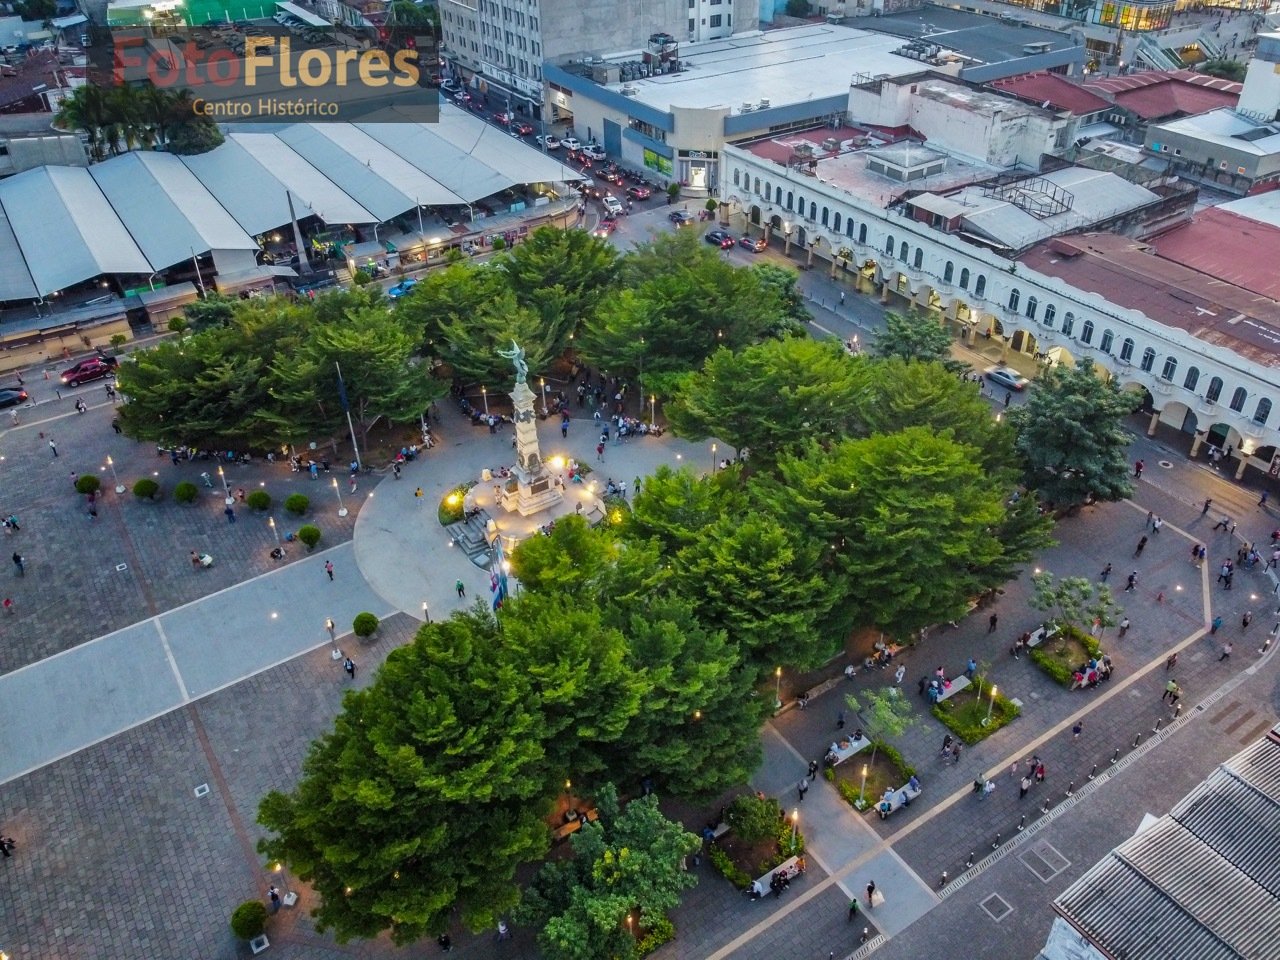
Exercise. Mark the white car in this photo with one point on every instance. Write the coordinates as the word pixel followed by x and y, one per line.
pixel 550 142
pixel 612 204
pixel 592 152
pixel 571 143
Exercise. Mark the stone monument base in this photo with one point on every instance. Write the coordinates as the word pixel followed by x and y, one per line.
pixel 529 493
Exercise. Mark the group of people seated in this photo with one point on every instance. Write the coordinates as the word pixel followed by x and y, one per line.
pixel 1091 673
pixel 937 688
pixel 779 880
pixel 833 751
pixel 885 806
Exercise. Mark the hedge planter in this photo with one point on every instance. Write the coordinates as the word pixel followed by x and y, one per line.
pixel 310 535
pixel 296 504
pixel 364 624
pixel 146 489
pixel 1059 656
pixel 185 492
pixel 972 716
pixel 259 500
pixel 249 920
pixel 89 483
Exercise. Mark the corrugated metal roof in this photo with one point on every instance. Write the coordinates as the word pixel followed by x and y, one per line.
pixel 243 186
pixel 440 159
pixel 502 152
pixel 15 278
pixel 311 188
pixel 409 178
pixel 354 174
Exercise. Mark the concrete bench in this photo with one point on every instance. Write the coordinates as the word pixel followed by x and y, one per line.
pixel 573 826
pixel 719 830
pixel 892 801
pixel 957 684
pixel 789 868
pixel 1041 635
pixel 837 754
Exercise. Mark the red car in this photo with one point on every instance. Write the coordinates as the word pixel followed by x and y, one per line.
pixel 606 227
pixel 522 129
pixel 94 368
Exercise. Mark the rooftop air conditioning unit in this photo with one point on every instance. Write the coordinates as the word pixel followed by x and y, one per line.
pixel 802 149
pixel 831 144
pixel 747 108
pixel 629 91
pixel 764 105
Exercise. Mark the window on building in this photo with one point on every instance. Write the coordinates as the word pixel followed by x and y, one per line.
pixel 1015 298
pixel 904 251
pixel 813 210
pixel 768 189
pixel 888 246
pixel 980 286
pixel 791 199
pixel 826 216
pixel 1050 312
pixel 918 262
pixel 1126 349
pixel 1214 391
pixel 862 232
pixel 692 26
pixel 737 177
pixel 964 278
pixel 756 191
pixel 1148 360
pixel 1068 323
pixel 835 222
pixel 715 18
pixel 777 195
pixel 1032 306
pixel 1192 378
pixel 1238 398
pixel 1170 368
pixel 1263 412
pixel 1086 332
pixel 1108 340
pixel 948 272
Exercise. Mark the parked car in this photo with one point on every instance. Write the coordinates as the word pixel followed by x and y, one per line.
pixel 12 396
pixel 94 368
pixel 754 244
pixel 1006 377
pixel 550 142
pixel 721 238
pixel 450 86
pixel 682 218
pixel 593 151
pixel 571 143
pixel 612 204
pixel 401 288
pixel 639 193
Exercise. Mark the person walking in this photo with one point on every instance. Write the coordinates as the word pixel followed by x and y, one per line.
pixel 417 494
pixel 1124 626
pixel 1040 772
pixel 899 674
pixel 1204 510
pixel 1262 501
pixel 1226 651
pixel 1170 688
pixel 1138 467
pixel 1172 662
pixel 802 788
pixel 1023 787
pixel 853 908
pixel 231 514
pixel 349 666
pixel 992 621
pixel 332 628
pixel 460 587
pixel 871 893
pixel 8 605
pixel 19 563
pixel 988 788
pixel 1077 730
pixel 115 425
pixel 274 896
pixel 840 720
pixel 53 446
pixel 1132 583
pixel 971 668
pixel 1156 524
pixel 1216 625
pixel 813 768
pixel 328 568
pixel 1223 523
pixel 1106 572
pixel 1246 620
pixel 6 846
pixel 1142 545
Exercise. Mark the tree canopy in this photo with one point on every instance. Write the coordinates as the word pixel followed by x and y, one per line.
pixel 915 336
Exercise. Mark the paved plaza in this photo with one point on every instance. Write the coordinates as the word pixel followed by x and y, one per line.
pixel 147 707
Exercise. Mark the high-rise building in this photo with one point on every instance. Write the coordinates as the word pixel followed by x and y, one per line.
pixel 504 43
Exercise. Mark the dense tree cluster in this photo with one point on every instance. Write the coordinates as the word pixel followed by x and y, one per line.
pixel 121 118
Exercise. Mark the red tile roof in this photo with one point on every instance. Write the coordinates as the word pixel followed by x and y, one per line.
pixel 1232 248
pixel 1127 273
pixel 1053 90
pixel 1160 94
pixel 34 74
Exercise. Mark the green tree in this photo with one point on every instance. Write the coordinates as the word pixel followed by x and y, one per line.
pixel 1225 68
pixel 631 859
pixel 884 714
pixel 406 13
pixel 1070 437
pixel 446 296
pixel 915 336
pixel 674 507
pixel 754 818
pixel 783 282
pixel 215 310
pixel 568 561
pixel 1073 601
pixel 426 796
pixel 773 397
pixel 562 274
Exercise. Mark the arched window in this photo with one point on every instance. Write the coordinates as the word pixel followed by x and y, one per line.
pixel 1126 349
pixel 791 200
pixel 862 233
pixel 964 278
pixel 826 216
pixel 756 190
pixel 768 189
pixel 1068 323
pixel 1032 306
pixel 1108 338
pixel 1263 413
pixel 835 222
pixel 1214 391
pixel 1170 368
pixel 1050 312
pixel 1086 332
pixel 948 272
pixel 1014 299
pixel 1148 360
pixel 918 262
pixel 980 288
pixel 777 195
pixel 1238 398
pixel 888 245
pixel 1193 378
pixel 737 177
pixel 848 228
pixel 800 206
pixel 903 251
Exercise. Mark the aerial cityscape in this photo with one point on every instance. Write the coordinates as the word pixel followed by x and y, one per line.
pixel 690 479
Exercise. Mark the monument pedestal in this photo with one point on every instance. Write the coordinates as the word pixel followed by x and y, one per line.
pixel 531 487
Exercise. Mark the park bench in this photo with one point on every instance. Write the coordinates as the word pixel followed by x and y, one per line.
pixel 957 684
pixel 789 868
pixel 891 802
pixel 842 750
pixel 574 825
pixel 1041 635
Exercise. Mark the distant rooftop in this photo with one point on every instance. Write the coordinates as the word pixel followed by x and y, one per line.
pixel 1262 207
pixel 1052 90
pixel 1157 94
pixel 1229 129
pixel 1227 246
pixel 978 100
pixel 1201 882
pixel 986 39
pixel 1129 274
pixel 793 65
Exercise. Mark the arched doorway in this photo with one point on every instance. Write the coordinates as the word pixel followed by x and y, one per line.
pixel 1023 341
pixel 868 276
pixel 1148 404
pixel 1179 416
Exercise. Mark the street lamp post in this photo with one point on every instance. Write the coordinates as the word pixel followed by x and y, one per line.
pixel 225 486
pixel 777 691
pixel 990 706
pixel 795 826
pixel 542 384
pixel 342 511
pixel 713 458
pixel 332 629
pixel 863 789
pixel 485 394
pixel 289 898
pixel 271 522
pixel 112 466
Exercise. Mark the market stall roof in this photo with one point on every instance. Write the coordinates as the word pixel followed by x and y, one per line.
pixel 306 16
pixel 453 167
pixel 324 198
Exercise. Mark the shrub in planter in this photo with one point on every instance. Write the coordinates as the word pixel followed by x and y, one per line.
pixel 146 489
pixel 89 483
pixel 185 492
pixel 659 931
pixel 249 919
pixel 364 624
pixel 296 503
pixel 259 500
pixel 721 861
pixel 310 535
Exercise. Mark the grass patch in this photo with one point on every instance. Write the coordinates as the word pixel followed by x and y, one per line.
pixel 452 505
pixel 965 713
pixel 888 771
pixel 1060 656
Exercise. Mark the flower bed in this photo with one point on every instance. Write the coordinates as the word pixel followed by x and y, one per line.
pixel 452 509
pixel 887 771
pixel 966 713
pixel 1060 656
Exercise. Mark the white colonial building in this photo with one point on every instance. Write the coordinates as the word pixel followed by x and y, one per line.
pixel 1054 266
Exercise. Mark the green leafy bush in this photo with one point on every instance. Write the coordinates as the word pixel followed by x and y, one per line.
pixel 660 931
pixel 754 819
pixel 1059 656
pixel 893 756
pixel 965 713
pixel 364 624
pixel 720 860
pixel 453 504
pixel 786 846
pixel 297 503
pixel 249 919
pixel 185 492
pixel 88 483
pixel 259 500
pixel 361 278
pixel 146 489
pixel 310 535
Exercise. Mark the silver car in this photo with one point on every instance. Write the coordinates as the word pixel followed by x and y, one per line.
pixel 1007 377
